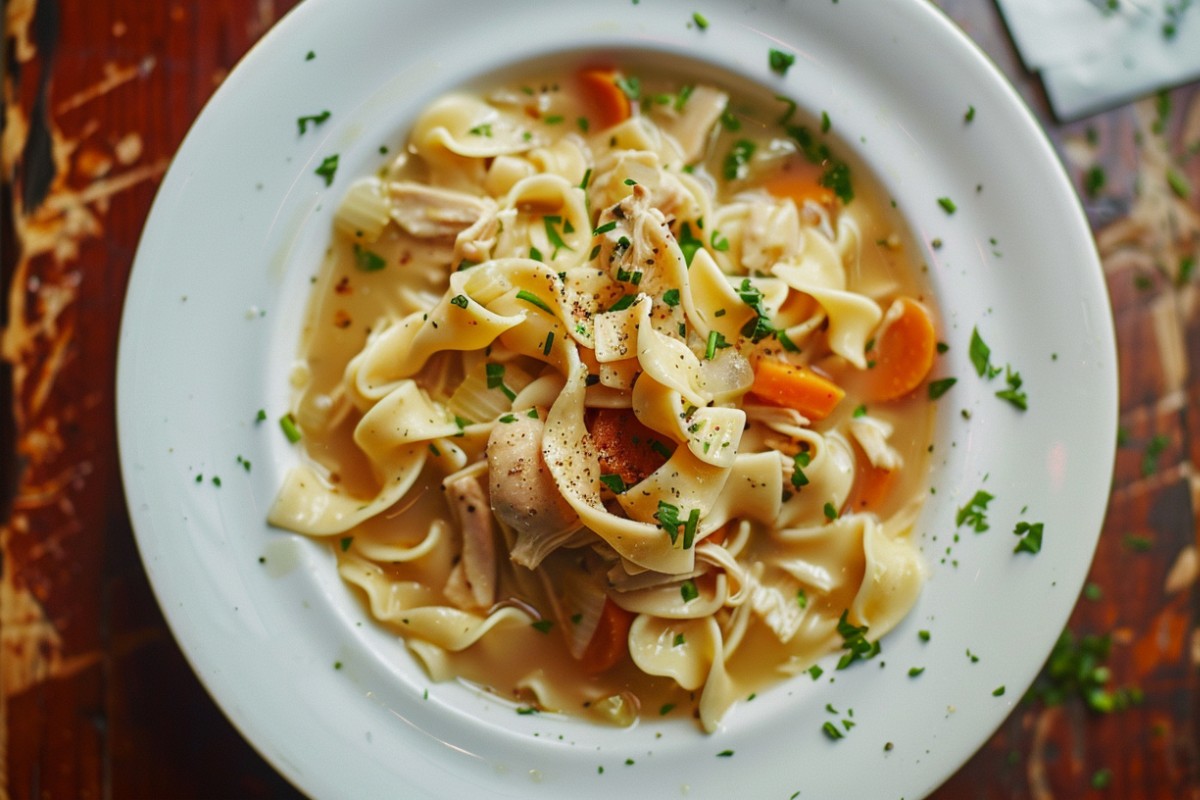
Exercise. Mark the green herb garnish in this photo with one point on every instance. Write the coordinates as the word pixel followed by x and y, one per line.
pixel 288 423
pixel 737 162
pixel 533 299
pixel 328 168
pixel 1031 537
pixel 688 591
pixel 974 513
pixel 940 387
pixel 312 119
pixel 780 61
pixel 614 483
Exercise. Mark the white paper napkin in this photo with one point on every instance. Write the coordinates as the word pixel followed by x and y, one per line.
pixel 1094 54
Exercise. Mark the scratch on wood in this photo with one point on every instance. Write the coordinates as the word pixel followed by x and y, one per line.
pixel 1039 783
pixel 38 342
pixel 114 76
pixel 1183 572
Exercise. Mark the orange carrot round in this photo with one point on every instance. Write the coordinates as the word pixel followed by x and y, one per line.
pixel 782 384
pixel 800 182
pixel 903 352
pixel 610 642
pixel 871 487
pixel 607 103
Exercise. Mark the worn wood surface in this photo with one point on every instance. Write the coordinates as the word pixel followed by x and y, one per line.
pixel 96 700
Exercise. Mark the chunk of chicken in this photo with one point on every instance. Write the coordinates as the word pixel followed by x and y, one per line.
pixel 472 583
pixel 523 493
pixel 430 213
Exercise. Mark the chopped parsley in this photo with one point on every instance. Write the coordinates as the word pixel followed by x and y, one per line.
pixel 780 61
pixel 940 387
pixel 623 303
pixel 345 542
pixel 947 205
pixel 459 300
pixel 799 461
pixel 542 625
pixel 1013 393
pixel 688 591
pixel 368 260
pixel 737 161
pixel 495 380
pixel 836 175
pixel 1179 184
pixel 1077 668
pixel 785 341
pixel 854 641
pixel 759 327
pixel 1031 537
pixel 671 297
pixel 1154 449
pixel 974 513
pixel 482 129
pixel 716 341
pixel 312 119
pixel 830 512
pixel 981 356
pixel 551 223
pixel 614 483
pixel 534 300
pixel 970 115
pixel 328 168
pixel 700 20
pixel 288 424
pixel 631 86
pixel 689 528
pixel 688 242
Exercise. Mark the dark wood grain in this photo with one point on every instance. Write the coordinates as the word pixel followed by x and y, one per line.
pixel 96 701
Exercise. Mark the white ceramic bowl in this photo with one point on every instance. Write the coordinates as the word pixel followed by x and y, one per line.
pixel 211 328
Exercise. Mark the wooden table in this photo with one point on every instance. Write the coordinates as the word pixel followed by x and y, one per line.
pixel 96 700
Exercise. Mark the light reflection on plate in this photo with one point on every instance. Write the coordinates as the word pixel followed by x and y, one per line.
pixel 210 332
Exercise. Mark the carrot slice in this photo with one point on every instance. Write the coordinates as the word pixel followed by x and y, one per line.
pixel 903 352
pixel 871 486
pixel 607 103
pixel 627 447
pixel 610 642
pixel 782 384
pixel 800 182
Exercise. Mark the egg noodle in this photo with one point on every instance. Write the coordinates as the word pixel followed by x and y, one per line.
pixel 612 398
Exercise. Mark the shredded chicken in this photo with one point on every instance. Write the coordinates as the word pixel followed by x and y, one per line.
pixel 430 213
pixel 472 583
pixel 523 493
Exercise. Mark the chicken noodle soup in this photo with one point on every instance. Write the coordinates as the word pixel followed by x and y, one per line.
pixel 612 397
